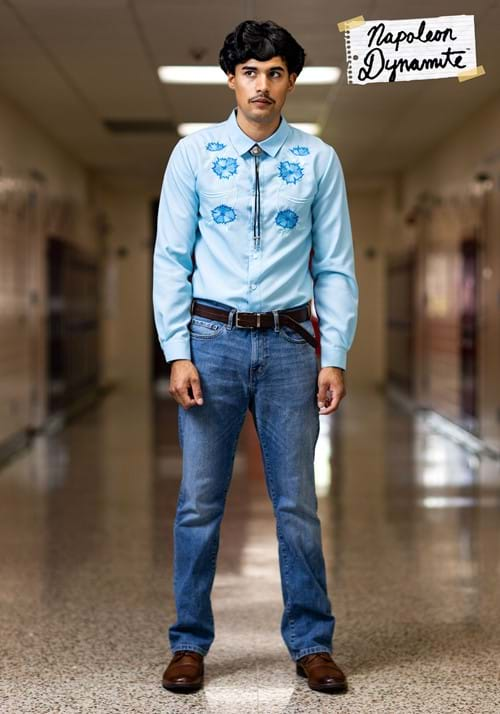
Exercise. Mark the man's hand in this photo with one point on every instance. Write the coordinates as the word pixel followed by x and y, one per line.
pixel 331 389
pixel 185 386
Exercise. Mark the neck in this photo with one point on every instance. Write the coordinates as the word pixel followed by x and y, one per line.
pixel 256 130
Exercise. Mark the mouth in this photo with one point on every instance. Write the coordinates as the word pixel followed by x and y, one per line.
pixel 261 101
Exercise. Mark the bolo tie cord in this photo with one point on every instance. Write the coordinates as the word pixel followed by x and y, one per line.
pixel 255 151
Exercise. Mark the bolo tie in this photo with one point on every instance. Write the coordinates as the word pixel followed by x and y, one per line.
pixel 256 151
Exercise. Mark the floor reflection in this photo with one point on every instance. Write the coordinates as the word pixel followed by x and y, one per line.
pixel 410 528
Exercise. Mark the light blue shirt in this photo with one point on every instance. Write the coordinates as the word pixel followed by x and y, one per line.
pixel 205 230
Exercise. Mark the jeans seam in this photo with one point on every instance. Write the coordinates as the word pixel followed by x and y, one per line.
pixel 180 501
pixel 179 426
pixel 282 542
pixel 224 499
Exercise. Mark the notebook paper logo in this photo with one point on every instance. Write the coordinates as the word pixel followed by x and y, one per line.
pixel 405 50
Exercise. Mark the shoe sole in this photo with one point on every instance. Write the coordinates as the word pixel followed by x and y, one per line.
pixel 182 688
pixel 334 688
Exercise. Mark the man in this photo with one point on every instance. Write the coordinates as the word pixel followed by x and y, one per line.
pixel 243 203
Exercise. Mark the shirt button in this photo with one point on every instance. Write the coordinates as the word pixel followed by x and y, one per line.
pixel 253 286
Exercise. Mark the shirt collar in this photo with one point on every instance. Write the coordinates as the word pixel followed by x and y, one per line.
pixel 242 142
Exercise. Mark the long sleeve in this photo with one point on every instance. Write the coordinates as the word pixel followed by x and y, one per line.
pixel 173 255
pixel 332 266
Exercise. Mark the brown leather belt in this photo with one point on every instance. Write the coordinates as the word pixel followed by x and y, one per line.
pixel 291 317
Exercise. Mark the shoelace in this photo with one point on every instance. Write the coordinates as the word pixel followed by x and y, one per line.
pixel 256 151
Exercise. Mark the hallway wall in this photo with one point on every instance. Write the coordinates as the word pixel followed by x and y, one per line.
pixel 45 192
pixel 366 358
pixel 442 202
pixel 127 304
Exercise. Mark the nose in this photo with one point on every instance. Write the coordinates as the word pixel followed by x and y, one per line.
pixel 262 82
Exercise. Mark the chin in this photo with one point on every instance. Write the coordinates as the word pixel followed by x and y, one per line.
pixel 265 116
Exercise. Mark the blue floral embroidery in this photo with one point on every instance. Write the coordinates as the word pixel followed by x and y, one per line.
pixel 290 171
pixel 225 167
pixel 287 218
pixel 223 214
pixel 215 146
pixel 300 150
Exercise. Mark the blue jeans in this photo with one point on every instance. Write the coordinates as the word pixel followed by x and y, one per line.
pixel 273 372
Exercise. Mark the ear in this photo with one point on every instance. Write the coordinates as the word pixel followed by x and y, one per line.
pixel 292 78
pixel 230 80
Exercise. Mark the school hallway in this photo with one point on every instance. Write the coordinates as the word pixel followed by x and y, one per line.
pixel 381 193
pixel 410 532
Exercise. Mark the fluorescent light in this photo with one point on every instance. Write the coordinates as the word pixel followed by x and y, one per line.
pixel 191 74
pixel 309 128
pixel 319 75
pixel 190 127
pixel 197 74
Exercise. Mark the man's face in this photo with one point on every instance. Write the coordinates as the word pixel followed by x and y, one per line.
pixel 261 88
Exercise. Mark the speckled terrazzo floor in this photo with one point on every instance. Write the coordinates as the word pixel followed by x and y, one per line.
pixel 411 533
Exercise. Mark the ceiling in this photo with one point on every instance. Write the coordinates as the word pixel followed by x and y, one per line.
pixel 73 64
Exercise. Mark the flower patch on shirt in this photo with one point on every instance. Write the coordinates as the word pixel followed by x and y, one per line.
pixel 215 146
pixel 225 167
pixel 287 218
pixel 223 214
pixel 290 171
pixel 299 150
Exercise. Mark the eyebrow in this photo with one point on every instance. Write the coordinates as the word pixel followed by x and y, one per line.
pixel 249 66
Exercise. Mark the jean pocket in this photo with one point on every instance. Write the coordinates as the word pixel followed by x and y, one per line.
pixel 205 329
pixel 291 335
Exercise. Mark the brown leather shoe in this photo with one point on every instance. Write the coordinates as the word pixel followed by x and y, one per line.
pixel 322 673
pixel 184 672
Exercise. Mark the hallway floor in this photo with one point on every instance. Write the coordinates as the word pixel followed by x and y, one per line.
pixel 410 524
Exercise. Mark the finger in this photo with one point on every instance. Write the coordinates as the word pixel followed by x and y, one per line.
pixel 186 399
pixel 325 395
pixel 332 405
pixel 196 387
pixel 322 394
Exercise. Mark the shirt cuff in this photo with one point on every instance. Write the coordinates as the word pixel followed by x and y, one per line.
pixel 334 357
pixel 176 349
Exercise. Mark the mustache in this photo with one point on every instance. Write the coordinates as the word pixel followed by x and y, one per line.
pixel 261 97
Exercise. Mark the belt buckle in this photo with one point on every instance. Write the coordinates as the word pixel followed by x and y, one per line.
pixel 247 326
pixel 236 320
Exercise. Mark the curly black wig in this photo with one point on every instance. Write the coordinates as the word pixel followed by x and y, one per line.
pixel 260 41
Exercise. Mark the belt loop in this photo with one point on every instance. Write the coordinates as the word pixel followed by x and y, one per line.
pixel 191 307
pixel 276 320
pixel 230 318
